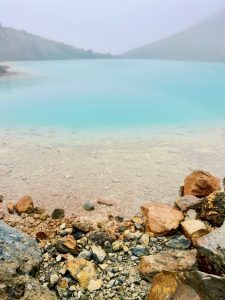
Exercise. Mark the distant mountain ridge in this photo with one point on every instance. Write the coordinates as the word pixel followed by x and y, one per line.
pixel 20 45
pixel 202 42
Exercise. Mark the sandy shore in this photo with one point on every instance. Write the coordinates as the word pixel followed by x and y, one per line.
pixel 65 168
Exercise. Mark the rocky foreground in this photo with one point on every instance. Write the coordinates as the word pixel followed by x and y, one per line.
pixel 166 252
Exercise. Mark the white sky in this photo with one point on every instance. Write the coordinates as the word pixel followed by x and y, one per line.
pixel 106 25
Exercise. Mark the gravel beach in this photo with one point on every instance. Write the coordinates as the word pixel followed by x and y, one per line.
pixel 126 168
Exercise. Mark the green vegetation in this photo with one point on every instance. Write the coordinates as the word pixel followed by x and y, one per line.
pixel 20 45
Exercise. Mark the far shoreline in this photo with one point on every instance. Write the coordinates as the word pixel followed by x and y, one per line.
pixel 3 70
pixel 6 71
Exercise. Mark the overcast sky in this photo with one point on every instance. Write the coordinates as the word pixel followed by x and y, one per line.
pixel 105 25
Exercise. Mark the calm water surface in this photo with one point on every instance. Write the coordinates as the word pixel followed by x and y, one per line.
pixel 91 94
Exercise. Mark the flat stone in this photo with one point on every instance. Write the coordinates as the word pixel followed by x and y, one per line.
pixel 176 261
pixel 102 201
pixel 201 184
pixel 190 227
pixel 213 209
pixel 85 254
pixel 89 205
pixel 187 285
pixel 161 219
pixel 66 244
pixel 94 285
pixel 58 213
pixel 211 252
pixel 189 201
pixel 83 226
pixel 140 251
pixel 178 242
pixel 25 205
pixel 98 253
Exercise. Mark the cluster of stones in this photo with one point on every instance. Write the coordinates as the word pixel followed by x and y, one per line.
pixel 167 252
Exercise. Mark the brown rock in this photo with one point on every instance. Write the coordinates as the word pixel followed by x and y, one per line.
pixel 41 235
pixel 39 210
pixel 161 219
pixel 99 237
pixel 167 261
pixel 66 244
pixel 187 202
pixel 106 202
pixel 201 184
pixel 187 285
pixel 63 283
pixel 211 252
pixel 181 191
pixel 25 205
pixel 190 227
pixel 10 207
pixel 83 226
pixel 213 209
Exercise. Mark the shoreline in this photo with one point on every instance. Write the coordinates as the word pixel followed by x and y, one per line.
pixel 7 71
pixel 3 70
pixel 57 167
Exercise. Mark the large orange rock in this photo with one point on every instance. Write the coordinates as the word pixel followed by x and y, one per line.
pixel 161 219
pixel 193 285
pixel 176 261
pixel 201 184
pixel 25 205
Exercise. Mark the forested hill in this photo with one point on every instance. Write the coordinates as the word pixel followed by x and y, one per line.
pixel 20 45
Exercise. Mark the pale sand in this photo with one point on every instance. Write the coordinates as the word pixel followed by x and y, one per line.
pixel 65 168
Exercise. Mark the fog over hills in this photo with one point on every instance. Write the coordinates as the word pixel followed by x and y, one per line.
pixel 20 45
pixel 202 42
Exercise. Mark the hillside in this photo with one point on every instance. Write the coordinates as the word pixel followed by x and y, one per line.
pixel 20 45
pixel 202 42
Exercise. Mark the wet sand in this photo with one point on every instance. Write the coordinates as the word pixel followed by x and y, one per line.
pixel 65 168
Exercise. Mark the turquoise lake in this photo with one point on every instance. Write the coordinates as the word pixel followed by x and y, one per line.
pixel 102 94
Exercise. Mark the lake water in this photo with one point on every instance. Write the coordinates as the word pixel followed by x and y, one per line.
pixel 105 94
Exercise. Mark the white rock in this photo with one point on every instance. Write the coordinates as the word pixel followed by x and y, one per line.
pixel 95 285
pixel 54 278
pixel 98 253
pixel 189 227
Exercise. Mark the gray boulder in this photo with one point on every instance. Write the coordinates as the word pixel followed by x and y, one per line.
pixel 16 246
pixel 20 257
pixel 211 252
